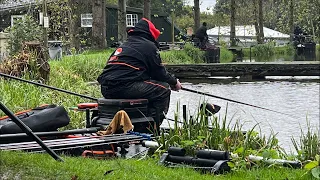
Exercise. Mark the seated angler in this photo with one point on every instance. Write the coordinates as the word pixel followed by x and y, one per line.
pixel 134 70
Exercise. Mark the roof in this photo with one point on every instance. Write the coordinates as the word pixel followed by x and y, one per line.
pixel 14 4
pixel 246 31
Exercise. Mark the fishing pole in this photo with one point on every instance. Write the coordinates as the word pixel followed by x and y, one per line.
pixel 202 93
pixel 50 87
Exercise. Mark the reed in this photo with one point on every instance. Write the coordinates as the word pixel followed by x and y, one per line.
pixel 308 145
pixel 201 131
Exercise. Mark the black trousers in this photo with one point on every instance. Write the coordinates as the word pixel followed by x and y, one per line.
pixel 157 93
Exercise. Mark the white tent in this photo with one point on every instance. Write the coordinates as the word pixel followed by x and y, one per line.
pixel 247 35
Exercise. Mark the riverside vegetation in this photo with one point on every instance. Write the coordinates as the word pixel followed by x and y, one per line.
pixel 74 72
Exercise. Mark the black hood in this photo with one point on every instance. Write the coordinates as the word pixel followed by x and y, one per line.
pixel 146 29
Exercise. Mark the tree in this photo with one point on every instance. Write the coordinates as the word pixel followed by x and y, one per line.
pixel 146 9
pixel 291 19
pixel 260 18
pixel 122 32
pixel 232 22
pixel 99 24
pixel 196 14
pixel 74 17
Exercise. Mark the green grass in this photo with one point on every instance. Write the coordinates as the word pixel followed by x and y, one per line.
pixel 17 165
pixel 72 73
pixel 266 52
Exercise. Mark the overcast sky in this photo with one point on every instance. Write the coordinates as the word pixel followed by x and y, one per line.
pixel 204 4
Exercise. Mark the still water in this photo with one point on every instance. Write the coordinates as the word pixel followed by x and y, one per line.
pixel 299 99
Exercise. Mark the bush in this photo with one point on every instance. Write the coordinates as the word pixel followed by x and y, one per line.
pixel 267 49
pixel 195 53
pixel 225 55
pixel 22 31
pixel 176 57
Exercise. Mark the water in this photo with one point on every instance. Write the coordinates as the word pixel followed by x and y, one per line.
pixel 299 99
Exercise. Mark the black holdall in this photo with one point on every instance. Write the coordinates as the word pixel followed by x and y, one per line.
pixel 40 119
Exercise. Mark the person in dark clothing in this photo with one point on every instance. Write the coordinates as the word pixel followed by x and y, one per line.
pixel 202 35
pixel 298 35
pixel 134 70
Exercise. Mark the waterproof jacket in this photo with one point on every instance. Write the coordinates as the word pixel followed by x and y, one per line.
pixel 138 59
pixel 201 33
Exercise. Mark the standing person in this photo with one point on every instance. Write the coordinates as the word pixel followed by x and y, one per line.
pixel 135 70
pixel 202 35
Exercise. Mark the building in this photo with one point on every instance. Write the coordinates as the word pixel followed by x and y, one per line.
pixel 14 10
pixel 246 35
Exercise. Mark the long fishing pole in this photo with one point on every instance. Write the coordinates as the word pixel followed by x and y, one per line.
pixel 96 99
pixel 46 86
pixel 202 93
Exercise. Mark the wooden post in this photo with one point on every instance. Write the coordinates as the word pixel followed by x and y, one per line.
pixel 122 26
pixel 172 26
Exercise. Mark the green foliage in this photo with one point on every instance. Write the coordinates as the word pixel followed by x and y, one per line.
pixel 195 53
pixel 192 55
pixel 285 52
pixel 308 147
pixel 226 56
pixel 176 57
pixel 59 19
pixel 22 31
pixel 264 50
pixel 201 131
pixel 277 14
pixel 314 167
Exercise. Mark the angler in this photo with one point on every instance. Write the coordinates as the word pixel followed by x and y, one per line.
pixel 135 71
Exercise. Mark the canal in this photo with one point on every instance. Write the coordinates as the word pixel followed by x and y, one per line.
pixel 298 97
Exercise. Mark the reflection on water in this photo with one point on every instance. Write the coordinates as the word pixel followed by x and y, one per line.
pixel 299 99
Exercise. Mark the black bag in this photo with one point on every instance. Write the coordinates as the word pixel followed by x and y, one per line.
pixel 40 119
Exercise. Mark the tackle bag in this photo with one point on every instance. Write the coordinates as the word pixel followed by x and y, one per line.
pixel 40 119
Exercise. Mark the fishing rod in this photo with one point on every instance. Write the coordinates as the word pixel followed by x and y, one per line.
pixel 96 99
pixel 50 87
pixel 202 93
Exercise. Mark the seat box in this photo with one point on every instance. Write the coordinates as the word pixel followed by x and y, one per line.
pixel 135 108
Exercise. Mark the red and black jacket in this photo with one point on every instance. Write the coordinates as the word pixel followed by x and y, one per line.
pixel 138 59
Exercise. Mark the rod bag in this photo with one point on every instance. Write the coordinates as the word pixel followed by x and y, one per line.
pixel 39 119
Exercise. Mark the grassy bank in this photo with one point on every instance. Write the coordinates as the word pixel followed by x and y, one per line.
pixel 15 165
pixel 72 73
pixel 268 52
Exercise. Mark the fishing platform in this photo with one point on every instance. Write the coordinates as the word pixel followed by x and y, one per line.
pixel 246 70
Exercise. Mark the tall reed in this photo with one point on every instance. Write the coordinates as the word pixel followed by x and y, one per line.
pixel 308 146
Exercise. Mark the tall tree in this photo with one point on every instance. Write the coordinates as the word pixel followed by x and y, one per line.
pixel 260 17
pixel 256 20
pixel 196 14
pixel 99 24
pixel 291 19
pixel 146 9
pixel 122 26
pixel 74 17
pixel 232 23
